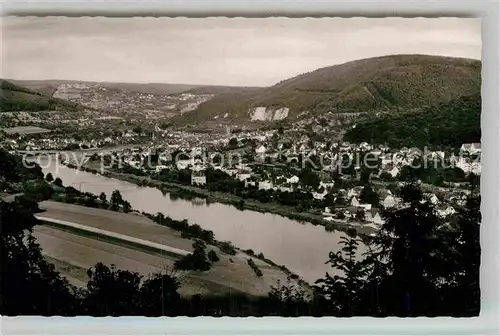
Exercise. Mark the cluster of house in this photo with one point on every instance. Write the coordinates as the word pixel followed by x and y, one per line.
pixel 372 217
pixel 391 161
pixel 58 143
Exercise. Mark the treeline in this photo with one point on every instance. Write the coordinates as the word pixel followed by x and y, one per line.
pixel 445 125
pixel 219 181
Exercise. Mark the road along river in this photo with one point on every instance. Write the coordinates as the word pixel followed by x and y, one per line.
pixel 302 247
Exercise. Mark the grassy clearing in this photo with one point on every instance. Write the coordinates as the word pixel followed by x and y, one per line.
pixel 230 274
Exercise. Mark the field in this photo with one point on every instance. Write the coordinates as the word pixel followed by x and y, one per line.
pixel 73 253
pixel 25 130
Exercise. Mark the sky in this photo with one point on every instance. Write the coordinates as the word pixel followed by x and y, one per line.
pixel 216 51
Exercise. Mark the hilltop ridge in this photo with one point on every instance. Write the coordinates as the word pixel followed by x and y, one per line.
pixel 372 84
pixel 17 98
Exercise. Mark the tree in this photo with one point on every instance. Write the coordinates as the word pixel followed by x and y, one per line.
pixel 212 256
pixel 159 296
pixel 137 130
pixel 340 200
pixel 342 292
pixel 369 196
pixel 360 215
pixel 365 175
pixel 126 206
pixel 116 200
pixel 38 190
pixel 196 261
pixel 111 292
pixel 58 182
pixel 462 290
pixel 410 240
pixel 27 203
pixel 233 143
pixel 24 271
pixel 385 176
pixel 309 178
pixel 103 198
pixel 49 178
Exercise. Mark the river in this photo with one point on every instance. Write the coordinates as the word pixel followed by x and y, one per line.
pixel 302 247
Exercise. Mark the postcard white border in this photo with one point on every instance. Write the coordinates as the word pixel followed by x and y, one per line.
pixel 485 324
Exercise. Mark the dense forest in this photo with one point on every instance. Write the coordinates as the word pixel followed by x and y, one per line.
pixel 443 125
pixel 418 264
pixel 365 85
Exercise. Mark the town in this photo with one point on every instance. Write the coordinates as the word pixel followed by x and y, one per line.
pixel 339 184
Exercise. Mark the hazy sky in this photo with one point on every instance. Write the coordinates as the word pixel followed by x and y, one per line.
pixel 219 51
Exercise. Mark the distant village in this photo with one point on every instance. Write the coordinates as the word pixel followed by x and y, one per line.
pixel 264 161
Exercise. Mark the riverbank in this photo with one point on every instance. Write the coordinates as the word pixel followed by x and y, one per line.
pixel 303 248
pixel 230 274
pixel 189 192
pixel 103 218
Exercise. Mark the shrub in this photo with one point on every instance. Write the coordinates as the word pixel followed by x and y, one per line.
pixel 250 252
pixel 212 256
pixel 196 261
pixel 227 247
pixel 255 268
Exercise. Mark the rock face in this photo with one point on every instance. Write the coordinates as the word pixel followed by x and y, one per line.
pixel 281 114
pixel 69 91
pixel 267 114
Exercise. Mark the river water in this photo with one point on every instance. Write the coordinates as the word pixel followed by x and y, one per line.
pixel 302 247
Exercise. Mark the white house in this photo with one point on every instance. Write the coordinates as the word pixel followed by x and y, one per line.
pixel 394 172
pixel 366 207
pixel 377 219
pixel 242 176
pixel 432 198
pixel 183 164
pixel 388 201
pixel 385 160
pixel 285 187
pixel 471 147
pixel 250 183
pixel 476 168
pixel 446 211
pixel 365 146
pixel 265 185
pixel 260 150
pixel 373 216
pixel 198 179
pixel 318 195
pixel 352 192
pixel 294 179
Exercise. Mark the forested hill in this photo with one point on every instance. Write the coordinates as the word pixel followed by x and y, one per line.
pixel 446 124
pixel 17 98
pixel 373 84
